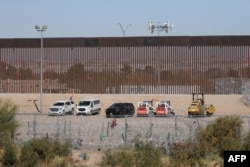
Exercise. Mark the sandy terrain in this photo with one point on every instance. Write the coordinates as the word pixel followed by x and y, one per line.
pixel 225 105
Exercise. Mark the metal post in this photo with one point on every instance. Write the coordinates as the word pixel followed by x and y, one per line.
pixel 70 129
pixel 34 126
pixel 41 74
pixel 64 130
pixel 41 29
pixel 175 125
pixel 126 130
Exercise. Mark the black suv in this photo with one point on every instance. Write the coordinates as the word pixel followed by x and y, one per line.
pixel 120 110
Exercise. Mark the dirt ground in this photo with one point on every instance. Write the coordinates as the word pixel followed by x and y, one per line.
pixel 225 105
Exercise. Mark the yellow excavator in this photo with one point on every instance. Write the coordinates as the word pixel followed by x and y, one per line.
pixel 198 106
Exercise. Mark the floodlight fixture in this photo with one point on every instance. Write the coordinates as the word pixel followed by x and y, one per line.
pixel 41 28
pixel 167 26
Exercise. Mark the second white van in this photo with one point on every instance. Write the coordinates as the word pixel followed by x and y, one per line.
pixel 88 106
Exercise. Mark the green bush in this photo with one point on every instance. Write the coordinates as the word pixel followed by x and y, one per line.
pixel 59 162
pixel 7 118
pixel 186 154
pixel 246 143
pixel 144 154
pixel 210 142
pixel 223 134
pixel 10 155
pixel 8 127
pixel 122 157
pixel 42 150
pixel 148 155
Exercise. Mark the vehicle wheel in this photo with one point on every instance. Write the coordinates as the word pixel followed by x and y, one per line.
pixel 209 114
pixel 202 111
pixel 99 110
pixel 131 113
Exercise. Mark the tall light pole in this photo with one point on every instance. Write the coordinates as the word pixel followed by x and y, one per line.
pixel 41 29
pixel 164 27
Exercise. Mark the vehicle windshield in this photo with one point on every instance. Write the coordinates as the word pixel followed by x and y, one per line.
pixel 84 103
pixel 116 105
pixel 161 105
pixel 58 104
pixel 143 105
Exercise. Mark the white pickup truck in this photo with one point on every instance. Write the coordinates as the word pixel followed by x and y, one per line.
pixel 62 107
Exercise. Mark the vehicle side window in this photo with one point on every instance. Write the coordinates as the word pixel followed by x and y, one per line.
pixel 97 102
pixel 67 103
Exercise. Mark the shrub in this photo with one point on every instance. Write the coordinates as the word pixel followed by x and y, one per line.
pixel 59 162
pixel 209 143
pixel 186 154
pixel 223 134
pixel 122 157
pixel 246 143
pixel 8 127
pixel 10 155
pixel 147 154
pixel 144 154
pixel 8 123
pixel 42 150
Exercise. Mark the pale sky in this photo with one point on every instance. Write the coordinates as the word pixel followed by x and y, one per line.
pixel 100 18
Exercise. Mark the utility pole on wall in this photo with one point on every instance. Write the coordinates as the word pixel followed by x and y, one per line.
pixel 167 26
pixel 124 30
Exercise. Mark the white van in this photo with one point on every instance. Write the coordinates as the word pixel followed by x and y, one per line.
pixel 88 106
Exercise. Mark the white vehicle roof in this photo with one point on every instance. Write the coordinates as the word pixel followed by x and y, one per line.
pixel 62 101
pixel 89 100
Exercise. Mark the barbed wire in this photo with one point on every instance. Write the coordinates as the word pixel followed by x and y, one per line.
pixel 96 131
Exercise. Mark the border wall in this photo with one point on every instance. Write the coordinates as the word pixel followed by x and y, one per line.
pixel 106 65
